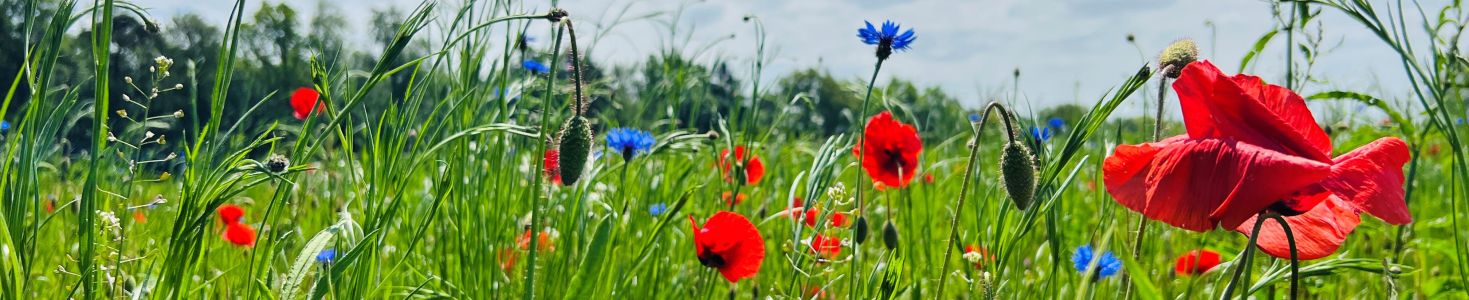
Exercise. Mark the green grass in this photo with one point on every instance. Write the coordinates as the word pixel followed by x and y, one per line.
pixel 426 194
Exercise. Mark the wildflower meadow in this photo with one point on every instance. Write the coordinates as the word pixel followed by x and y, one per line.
pixel 478 150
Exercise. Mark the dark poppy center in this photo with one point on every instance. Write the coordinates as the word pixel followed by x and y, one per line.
pixel 710 259
pixel 1286 208
pixel 893 159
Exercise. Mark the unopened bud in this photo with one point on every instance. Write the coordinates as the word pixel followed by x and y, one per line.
pixel 1176 56
pixel 1017 169
pixel 890 235
pixel 575 146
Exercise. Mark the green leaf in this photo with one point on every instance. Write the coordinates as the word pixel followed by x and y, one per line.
pixel 1145 287
pixel 591 265
pixel 302 268
pixel 1259 47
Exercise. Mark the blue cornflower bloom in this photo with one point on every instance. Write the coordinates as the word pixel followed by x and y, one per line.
pixel 973 118
pixel 4 126
pixel 1041 134
pixel 629 142
pixel 326 256
pixel 1107 264
pixel 1056 123
pixel 657 208
pixel 887 39
pixel 535 66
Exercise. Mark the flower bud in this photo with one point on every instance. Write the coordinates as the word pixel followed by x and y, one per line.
pixel 277 163
pixel 178 113
pixel 890 235
pixel 575 146
pixel 1018 174
pixel 859 230
pixel 1178 55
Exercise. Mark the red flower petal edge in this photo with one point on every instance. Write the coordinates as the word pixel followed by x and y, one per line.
pixel 728 242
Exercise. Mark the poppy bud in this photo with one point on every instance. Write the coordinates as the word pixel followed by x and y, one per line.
pixel 859 229
pixel 890 235
pixel 1178 55
pixel 576 144
pixel 1018 173
pixel 277 163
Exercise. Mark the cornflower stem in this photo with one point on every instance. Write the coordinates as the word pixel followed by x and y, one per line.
pixel 1243 262
pixel 1295 259
pixel 969 169
pixel 861 184
pixel 622 192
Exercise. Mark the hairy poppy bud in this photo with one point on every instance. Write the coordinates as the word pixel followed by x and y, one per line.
pixel 576 145
pixel 890 235
pixel 1018 173
pixel 859 230
pixel 1178 55
pixel 277 163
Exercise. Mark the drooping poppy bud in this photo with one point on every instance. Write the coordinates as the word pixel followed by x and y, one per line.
pixel 1017 169
pixel 576 145
pixel 859 230
pixel 890 235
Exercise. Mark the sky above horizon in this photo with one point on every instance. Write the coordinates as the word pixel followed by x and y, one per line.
pixel 1067 51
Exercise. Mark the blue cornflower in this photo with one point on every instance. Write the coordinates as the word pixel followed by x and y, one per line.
pixel 973 118
pixel 1056 123
pixel 1041 134
pixel 657 208
pixel 326 256
pixel 535 66
pixel 1107 264
pixel 629 142
pixel 4 126
pixel 888 39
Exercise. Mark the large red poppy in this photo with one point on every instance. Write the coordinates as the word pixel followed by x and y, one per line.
pixel 730 243
pixel 230 214
pixel 754 169
pixel 303 100
pixel 1252 146
pixel 240 234
pixel 1196 262
pixel 889 150
pixel 825 246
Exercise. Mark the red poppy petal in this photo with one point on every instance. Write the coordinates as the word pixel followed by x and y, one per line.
pixel 240 234
pixel 890 150
pixel 303 100
pixel 230 213
pixel 1247 109
pixel 1125 172
pixel 1196 262
pixel 1318 232
pixel 1370 179
pixel 754 170
pixel 1197 184
pixel 737 241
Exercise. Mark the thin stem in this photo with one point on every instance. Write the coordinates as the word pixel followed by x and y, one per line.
pixel 1295 261
pixel 540 186
pixel 969 168
pixel 1142 223
pixel 1243 262
pixel 861 184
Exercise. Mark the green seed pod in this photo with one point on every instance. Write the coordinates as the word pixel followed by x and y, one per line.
pixel 1178 55
pixel 890 235
pixel 1018 173
pixel 576 145
pixel 859 230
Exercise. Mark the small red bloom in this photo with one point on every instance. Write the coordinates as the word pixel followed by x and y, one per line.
pixel 827 247
pixel 139 217
pixel 230 214
pixel 1250 147
pixel 240 234
pixel 889 150
pixel 1196 262
pixel 754 169
pixel 977 255
pixel 553 166
pixel 303 100
pixel 837 219
pixel 50 206
pixel 928 178
pixel 507 259
pixel 730 243
pixel 543 241
pixel 737 198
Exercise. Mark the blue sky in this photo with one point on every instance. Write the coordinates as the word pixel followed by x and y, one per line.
pixel 1063 48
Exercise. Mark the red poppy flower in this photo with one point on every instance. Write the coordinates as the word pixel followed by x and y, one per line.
pixel 303 100
pixel 50 206
pixel 230 214
pixel 139 217
pixel 730 243
pixel 889 150
pixel 928 178
pixel 825 246
pixel 837 219
pixel 977 255
pixel 754 169
pixel 543 241
pixel 507 259
pixel 240 234
pixel 1196 262
pixel 1251 146
pixel 553 166
pixel 736 200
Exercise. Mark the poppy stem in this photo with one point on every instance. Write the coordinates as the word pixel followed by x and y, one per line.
pixel 1142 223
pixel 963 195
pixel 1295 261
pixel 1243 262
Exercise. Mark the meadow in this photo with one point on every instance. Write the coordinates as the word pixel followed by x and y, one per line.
pixel 467 156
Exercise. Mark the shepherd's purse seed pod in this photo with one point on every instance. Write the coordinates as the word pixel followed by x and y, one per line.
pixel 576 145
pixel 1018 173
